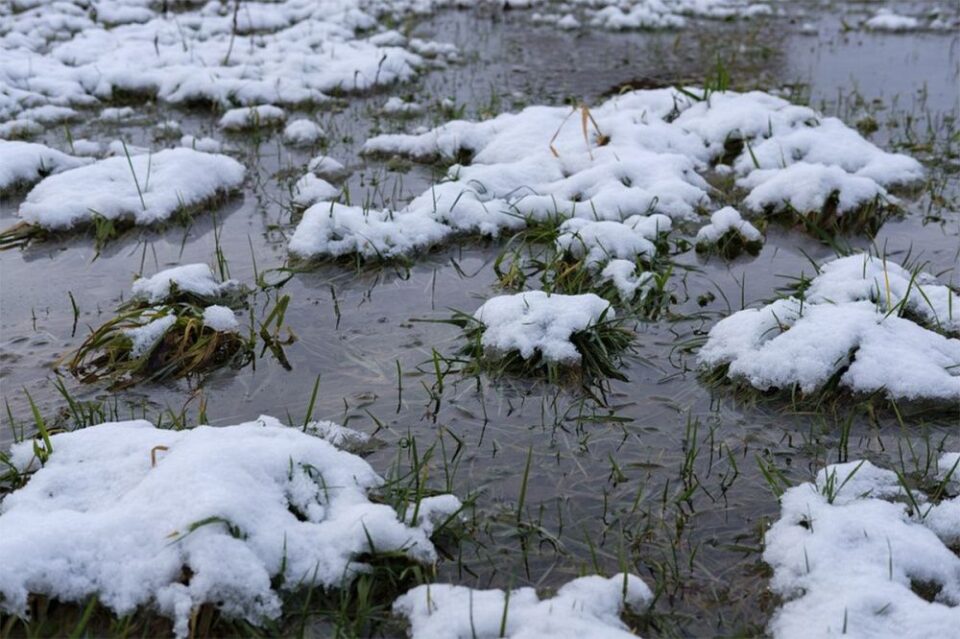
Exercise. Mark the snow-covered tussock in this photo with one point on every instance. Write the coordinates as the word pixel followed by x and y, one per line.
pixel 599 242
pixel 194 279
pixel 724 222
pixel 644 153
pixel 23 163
pixel 157 186
pixel 175 519
pixel 63 54
pixel 876 325
pixel 330 230
pixel 848 552
pixel 640 14
pixel 537 323
pixel 587 608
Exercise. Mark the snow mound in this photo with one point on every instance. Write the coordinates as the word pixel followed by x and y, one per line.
pixel 24 163
pixel 330 230
pixel 220 319
pixel 620 15
pixel 585 608
pixel 303 133
pixel 886 20
pixel 624 276
pixel 724 222
pixel 869 324
pixel 195 279
pixel 245 118
pixel 537 323
pixel 178 179
pixel 310 189
pixel 221 514
pixel 848 554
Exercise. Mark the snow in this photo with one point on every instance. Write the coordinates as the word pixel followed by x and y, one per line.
pixel 645 153
pixel 724 221
pixel 253 117
pixel 848 324
pixel 846 549
pixel 204 145
pixel 598 242
pixel 330 230
pixel 310 189
pixel 290 52
pixel 397 107
pixel 143 338
pixel 326 167
pixel 303 133
pixel 807 189
pixel 621 15
pixel 178 179
pixel 239 507
pixel 584 608
pixel 886 20
pixel 23 163
pixel 537 323
pixel 220 319
pixel 624 276
pixel 195 279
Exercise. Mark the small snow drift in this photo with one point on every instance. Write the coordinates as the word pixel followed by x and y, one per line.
pixel 729 235
pixel 588 608
pixel 143 189
pixel 253 117
pixel 851 557
pixel 599 242
pixel 863 324
pixel 24 163
pixel 125 510
pixel 330 230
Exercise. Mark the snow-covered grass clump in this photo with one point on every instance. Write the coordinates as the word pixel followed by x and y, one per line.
pixel 540 334
pixel 189 280
pixel 855 554
pixel 179 322
pixel 330 230
pixel 587 608
pixel 886 20
pixel 227 516
pixel 24 163
pixel 862 325
pixel 61 54
pixel 143 189
pixel 303 132
pixel 619 15
pixel 253 117
pixel 596 243
pixel 729 234
pixel 398 107
pixel 646 152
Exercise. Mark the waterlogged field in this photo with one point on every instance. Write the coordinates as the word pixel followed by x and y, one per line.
pixel 640 460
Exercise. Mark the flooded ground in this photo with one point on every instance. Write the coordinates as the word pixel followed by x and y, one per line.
pixel 666 480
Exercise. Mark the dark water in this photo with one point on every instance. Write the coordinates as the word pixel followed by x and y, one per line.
pixel 601 492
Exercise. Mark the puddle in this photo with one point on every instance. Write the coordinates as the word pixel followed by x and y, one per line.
pixel 601 493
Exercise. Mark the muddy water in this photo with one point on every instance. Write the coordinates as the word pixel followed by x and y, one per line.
pixel 596 492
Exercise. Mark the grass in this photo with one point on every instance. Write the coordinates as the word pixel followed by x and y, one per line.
pixel 187 348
